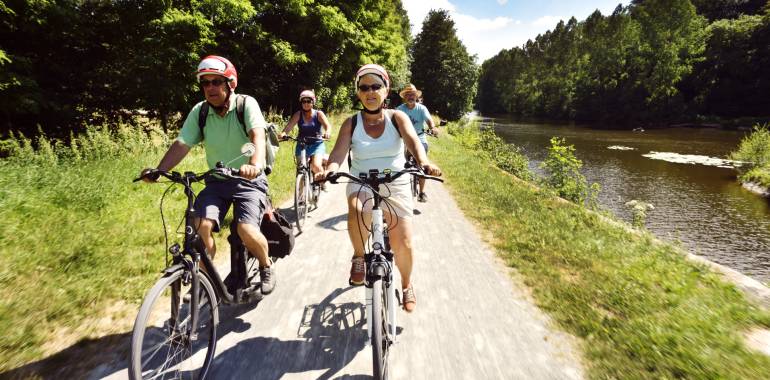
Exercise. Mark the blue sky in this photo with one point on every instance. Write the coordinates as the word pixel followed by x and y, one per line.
pixel 488 26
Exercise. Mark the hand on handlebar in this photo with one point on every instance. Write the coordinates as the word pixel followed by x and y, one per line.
pixel 250 171
pixel 431 169
pixel 149 175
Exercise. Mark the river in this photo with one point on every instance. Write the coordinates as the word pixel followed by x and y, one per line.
pixel 700 205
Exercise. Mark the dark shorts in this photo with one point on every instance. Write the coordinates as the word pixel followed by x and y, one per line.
pixel 249 200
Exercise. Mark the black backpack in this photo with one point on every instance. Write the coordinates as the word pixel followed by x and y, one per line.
pixel 278 232
pixel 354 122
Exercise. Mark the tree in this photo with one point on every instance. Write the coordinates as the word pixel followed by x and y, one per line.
pixel 442 67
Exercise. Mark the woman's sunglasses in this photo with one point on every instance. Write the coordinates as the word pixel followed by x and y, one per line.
pixel 304 101
pixel 216 82
pixel 366 87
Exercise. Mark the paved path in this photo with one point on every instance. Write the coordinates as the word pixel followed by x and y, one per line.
pixel 471 322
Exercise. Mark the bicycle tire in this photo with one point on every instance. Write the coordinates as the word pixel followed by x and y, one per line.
pixel 182 359
pixel 380 342
pixel 300 200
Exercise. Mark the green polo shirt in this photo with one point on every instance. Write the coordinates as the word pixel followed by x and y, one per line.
pixel 224 134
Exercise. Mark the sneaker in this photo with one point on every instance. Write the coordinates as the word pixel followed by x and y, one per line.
pixel 357 271
pixel 267 280
pixel 422 198
pixel 409 300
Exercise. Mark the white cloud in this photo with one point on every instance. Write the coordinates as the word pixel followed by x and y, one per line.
pixel 548 21
pixel 484 37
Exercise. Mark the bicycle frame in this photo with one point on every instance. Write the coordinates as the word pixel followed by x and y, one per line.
pixel 379 264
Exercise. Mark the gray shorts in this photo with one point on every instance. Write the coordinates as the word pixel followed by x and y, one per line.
pixel 249 200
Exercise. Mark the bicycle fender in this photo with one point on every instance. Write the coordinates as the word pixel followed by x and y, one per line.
pixel 172 269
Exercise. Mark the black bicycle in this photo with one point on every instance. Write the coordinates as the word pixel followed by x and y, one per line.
pixel 381 292
pixel 306 191
pixel 173 337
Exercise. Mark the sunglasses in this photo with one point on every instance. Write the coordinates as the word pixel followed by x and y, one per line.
pixel 304 101
pixel 215 82
pixel 366 87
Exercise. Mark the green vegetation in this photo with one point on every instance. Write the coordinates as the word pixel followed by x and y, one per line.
pixel 73 63
pixel 648 62
pixel 79 235
pixel 442 68
pixel 563 173
pixel 754 149
pixel 642 310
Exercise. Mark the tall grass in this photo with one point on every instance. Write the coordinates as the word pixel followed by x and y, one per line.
pixel 755 150
pixel 78 235
pixel 641 309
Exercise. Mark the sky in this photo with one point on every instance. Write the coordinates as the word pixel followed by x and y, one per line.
pixel 487 26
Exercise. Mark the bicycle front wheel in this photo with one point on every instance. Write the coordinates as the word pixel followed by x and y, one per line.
pixel 301 189
pixel 380 340
pixel 415 186
pixel 164 344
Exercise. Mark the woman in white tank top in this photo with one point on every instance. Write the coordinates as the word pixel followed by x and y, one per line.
pixel 376 143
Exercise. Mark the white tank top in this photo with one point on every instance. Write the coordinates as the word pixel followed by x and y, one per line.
pixel 384 152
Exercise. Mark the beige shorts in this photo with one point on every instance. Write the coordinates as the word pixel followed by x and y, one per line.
pixel 396 197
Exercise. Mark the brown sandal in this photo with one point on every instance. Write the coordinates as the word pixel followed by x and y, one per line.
pixel 409 300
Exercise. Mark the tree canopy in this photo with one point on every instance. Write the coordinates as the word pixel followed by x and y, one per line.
pixel 651 61
pixel 67 62
pixel 442 67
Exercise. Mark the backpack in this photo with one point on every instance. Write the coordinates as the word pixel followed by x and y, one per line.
pixel 271 133
pixel 354 122
pixel 278 232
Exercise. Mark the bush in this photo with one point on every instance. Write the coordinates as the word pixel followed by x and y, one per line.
pixel 754 151
pixel 564 176
pixel 507 157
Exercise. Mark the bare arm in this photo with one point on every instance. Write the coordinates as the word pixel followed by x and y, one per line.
pixel 325 124
pixel 341 147
pixel 174 155
pixel 257 160
pixel 290 125
pixel 414 145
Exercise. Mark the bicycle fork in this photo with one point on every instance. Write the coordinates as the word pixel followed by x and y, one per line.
pixel 391 304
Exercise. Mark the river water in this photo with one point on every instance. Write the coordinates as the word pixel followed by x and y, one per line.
pixel 700 205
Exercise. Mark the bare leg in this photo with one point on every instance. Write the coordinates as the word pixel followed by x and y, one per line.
pixel 205 228
pixel 357 224
pixel 255 242
pixel 401 243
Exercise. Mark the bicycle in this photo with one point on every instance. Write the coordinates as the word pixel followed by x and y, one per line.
pixel 381 293
pixel 171 333
pixel 306 191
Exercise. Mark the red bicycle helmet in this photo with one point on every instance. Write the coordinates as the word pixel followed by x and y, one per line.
pixel 214 64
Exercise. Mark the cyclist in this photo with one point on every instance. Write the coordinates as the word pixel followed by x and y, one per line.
pixel 311 123
pixel 378 143
pixel 419 115
pixel 224 135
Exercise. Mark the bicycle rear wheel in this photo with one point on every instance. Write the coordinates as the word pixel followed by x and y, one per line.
pixel 380 340
pixel 301 190
pixel 163 345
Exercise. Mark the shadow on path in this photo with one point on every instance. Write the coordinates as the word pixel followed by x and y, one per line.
pixel 331 334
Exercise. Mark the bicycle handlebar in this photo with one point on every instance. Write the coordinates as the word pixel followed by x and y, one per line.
pixel 304 139
pixel 373 179
pixel 190 177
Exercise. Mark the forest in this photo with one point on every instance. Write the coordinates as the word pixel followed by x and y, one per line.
pixel 652 62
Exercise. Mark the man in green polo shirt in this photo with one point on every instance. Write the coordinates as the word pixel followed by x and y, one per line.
pixel 224 135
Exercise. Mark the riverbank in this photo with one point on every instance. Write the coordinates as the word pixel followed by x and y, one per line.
pixel 640 307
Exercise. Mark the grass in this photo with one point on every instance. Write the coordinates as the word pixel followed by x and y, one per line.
pixel 79 236
pixel 642 310
pixel 755 150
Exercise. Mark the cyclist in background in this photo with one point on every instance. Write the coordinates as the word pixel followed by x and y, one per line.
pixel 224 135
pixel 313 126
pixel 377 143
pixel 419 115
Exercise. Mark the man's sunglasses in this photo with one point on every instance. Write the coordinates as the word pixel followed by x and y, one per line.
pixel 366 87
pixel 216 82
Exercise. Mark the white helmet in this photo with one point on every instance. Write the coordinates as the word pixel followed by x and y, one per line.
pixel 307 94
